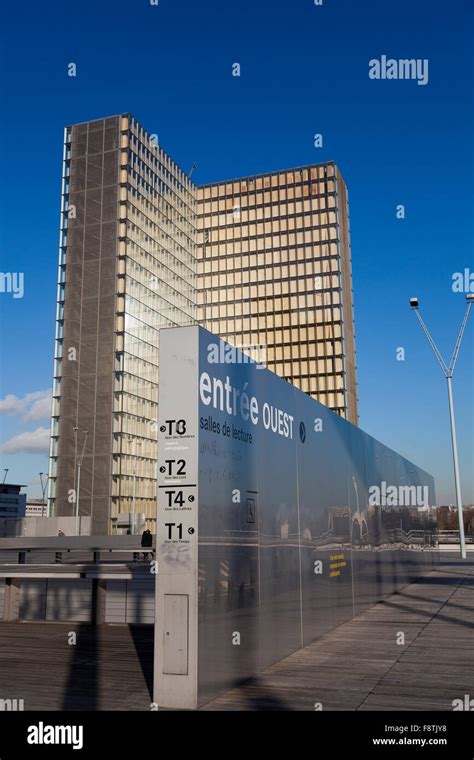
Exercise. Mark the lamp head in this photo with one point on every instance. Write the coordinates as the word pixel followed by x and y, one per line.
pixel 414 303
pixel 469 296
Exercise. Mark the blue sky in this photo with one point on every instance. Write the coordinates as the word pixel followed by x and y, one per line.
pixel 304 70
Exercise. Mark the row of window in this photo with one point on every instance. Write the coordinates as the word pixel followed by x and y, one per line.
pixel 130 193
pixel 135 367
pixel 268 211
pixel 153 158
pixel 262 221
pixel 153 202
pixel 141 200
pixel 143 504
pixel 137 329
pixel 175 311
pixel 323 383
pixel 229 258
pixel 335 401
pixel 272 243
pixel 163 282
pixel 137 347
pixel 270 280
pixel 145 386
pixel 150 151
pixel 308 288
pixel 263 241
pixel 134 455
pixel 328 323
pixel 129 425
pixel 264 303
pixel 165 317
pixel 320 343
pixel 153 223
pixel 166 230
pixel 139 407
pixel 174 251
pixel 233 203
pixel 275 179
pixel 142 486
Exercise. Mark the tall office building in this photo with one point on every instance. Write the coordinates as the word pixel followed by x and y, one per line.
pixel 127 267
pixel 262 261
pixel 274 276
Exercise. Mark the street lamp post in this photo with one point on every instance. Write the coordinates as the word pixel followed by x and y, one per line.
pixel 448 372
pixel 79 465
pixel 43 489
pixel 137 444
pixel 133 497
pixel 75 430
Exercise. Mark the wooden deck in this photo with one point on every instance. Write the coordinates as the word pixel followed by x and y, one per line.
pixel 109 668
pixel 358 666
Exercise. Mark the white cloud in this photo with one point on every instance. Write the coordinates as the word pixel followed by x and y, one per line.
pixel 11 405
pixel 33 406
pixel 40 410
pixel 32 442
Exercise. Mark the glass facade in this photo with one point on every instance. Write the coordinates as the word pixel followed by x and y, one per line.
pixel 275 278
pixel 156 288
pixel 126 269
pixel 263 262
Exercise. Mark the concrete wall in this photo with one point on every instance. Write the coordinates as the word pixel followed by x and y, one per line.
pixel 70 601
pixel 43 526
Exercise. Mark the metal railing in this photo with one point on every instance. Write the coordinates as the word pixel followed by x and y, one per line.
pixel 452 537
pixel 92 548
pixel 71 558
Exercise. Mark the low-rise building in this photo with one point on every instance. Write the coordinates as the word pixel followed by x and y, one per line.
pixel 12 501
pixel 36 508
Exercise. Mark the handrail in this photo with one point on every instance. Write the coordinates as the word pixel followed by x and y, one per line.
pixel 78 543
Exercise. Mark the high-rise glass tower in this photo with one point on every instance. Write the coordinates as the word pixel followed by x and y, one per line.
pixel 127 267
pixel 262 261
pixel 274 276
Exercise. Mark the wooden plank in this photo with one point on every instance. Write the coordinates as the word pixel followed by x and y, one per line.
pixel 357 666
pixel 109 667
